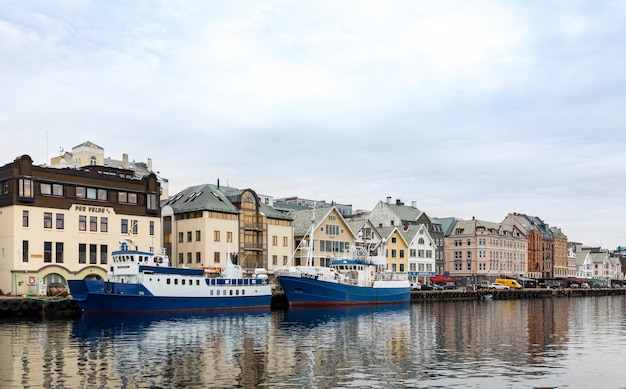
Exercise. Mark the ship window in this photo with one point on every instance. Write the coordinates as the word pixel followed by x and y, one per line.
pixel 183 282
pixel 175 281
pixel 231 292
pixel 169 281
pixel 243 292
pixel 197 282
pixel 218 292
pixel 237 292
pixel 211 293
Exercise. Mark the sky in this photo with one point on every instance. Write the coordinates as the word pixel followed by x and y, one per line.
pixel 468 108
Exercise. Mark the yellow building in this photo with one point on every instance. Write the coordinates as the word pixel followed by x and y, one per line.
pixel 62 223
pixel 331 235
pixel 203 224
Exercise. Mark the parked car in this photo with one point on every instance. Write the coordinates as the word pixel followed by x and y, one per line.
pixel 449 285
pixel 496 285
pixel 437 287
pixel 427 287
pixel 416 286
pixel 574 286
pixel 584 285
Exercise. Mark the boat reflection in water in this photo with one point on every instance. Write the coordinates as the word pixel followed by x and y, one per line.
pixel 193 350
pixel 314 316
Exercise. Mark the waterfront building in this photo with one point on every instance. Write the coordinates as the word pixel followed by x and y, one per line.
pixel 396 249
pixel 540 245
pixel 388 214
pixel 366 236
pixel 90 154
pixel 422 249
pixel 203 224
pixel 482 250
pixel 332 237
pixel 559 253
pixel 571 262
pixel 602 267
pixel 584 266
pixel 62 223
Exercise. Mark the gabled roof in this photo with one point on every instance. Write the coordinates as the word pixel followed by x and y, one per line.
pixel 581 256
pixel 302 219
pixel 386 232
pixel 205 197
pixel 405 213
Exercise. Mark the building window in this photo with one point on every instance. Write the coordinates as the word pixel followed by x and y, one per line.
pixel 180 237
pixel 393 240
pixel 393 253
pixel 135 225
pixel 82 253
pixel 102 195
pixel 127 198
pixel 104 254
pixel 25 190
pixel 189 236
pixel 93 257
pixel 198 235
pixel 275 260
pixel 46 189
pixel 285 241
pixel 188 257
pixel 216 257
pixel 402 267
pixel 104 224
pixel 216 236
pixel 47 251
pixel 60 221
pixel 82 223
pixel 59 252
pixel 284 260
pixel 151 227
pixel 181 258
pixel 25 251
pixel 469 255
pixel 47 220
pixel 24 218
pixel 124 226
pixel 401 254
pixel 93 223
pixel 81 192
pixel 57 190
pixel 229 236
pixel 198 257
pixel 274 240
pixel 151 200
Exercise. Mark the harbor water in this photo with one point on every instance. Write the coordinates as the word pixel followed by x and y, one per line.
pixel 541 343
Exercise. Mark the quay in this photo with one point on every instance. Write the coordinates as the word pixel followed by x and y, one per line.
pixel 418 296
pixel 46 305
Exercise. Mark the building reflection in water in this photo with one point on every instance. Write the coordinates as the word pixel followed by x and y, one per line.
pixel 432 344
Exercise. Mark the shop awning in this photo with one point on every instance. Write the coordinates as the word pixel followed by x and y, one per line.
pixel 439 278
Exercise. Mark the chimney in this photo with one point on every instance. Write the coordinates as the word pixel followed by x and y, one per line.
pixel 388 200
pixel 414 204
pixel 398 202
pixel 149 164
pixel 125 161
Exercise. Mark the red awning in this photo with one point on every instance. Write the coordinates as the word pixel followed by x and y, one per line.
pixel 439 278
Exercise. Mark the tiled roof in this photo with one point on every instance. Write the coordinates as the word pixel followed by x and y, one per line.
pixel 205 197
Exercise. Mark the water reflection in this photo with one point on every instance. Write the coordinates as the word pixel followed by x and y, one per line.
pixel 565 343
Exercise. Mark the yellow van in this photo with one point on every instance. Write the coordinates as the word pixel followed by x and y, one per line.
pixel 511 283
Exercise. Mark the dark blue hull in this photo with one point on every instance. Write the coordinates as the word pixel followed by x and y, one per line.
pixel 309 292
pixel 99 297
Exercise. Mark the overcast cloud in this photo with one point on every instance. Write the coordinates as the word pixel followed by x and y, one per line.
pixel 469 108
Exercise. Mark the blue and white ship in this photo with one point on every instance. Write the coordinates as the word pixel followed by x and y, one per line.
pixel 144 282
pixel 357 279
